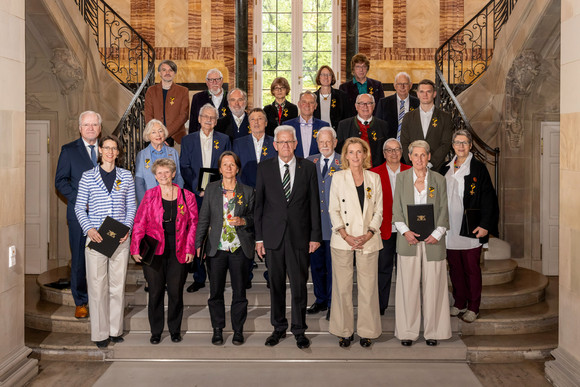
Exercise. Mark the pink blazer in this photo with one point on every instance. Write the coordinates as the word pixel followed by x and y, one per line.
pixel 149 220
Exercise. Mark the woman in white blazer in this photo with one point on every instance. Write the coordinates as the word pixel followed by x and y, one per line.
pixel 356 213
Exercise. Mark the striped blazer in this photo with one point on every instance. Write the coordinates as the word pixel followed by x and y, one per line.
pixel 119 204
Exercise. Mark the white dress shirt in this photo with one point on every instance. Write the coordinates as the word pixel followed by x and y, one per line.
pixel 306 132
pixel 87 147
pixel 291 168
pixel 330 160
pixel 238 120
pixel 206 144
pixel 393 181
pixel 406 106
pixel 426 119
pixel 217 100
pixel 258 144
pixel 363 121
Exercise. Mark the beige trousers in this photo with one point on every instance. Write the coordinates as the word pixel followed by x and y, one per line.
pixel 106 289
pixel 411 271
pixel 341 309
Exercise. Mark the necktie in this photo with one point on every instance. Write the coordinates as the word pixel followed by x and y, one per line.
pixel 279 114
pixel 286 182
pixel 325 168
pixel 401 115
pixel 93 155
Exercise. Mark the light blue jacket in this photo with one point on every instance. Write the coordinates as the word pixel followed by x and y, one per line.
pixel 119 204
pixel 144 178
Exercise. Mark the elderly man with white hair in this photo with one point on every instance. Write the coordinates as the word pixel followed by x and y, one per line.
pixel 214 95
pixel 236 123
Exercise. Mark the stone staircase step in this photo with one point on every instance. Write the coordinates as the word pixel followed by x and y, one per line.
pixel 63 346
pixel 323 347
pixel 47 316
pixel 527 288
pixel 498 272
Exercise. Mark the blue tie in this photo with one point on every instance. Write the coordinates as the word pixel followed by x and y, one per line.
pixel 93 155
pixel 325 168
pixel 401 115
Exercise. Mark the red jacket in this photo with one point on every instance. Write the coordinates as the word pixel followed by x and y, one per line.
pixel 149 220
pixel 386 226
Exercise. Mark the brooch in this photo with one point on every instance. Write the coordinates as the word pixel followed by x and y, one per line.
pixel 118 184
pixel 223 113
pixel 411 109
pixel 374 135
pixel 216 144
pixel 171 100
pixel 369 193
pixel 337 162
pixel 434 122
pixel 249 129
pixel 181 211
pixel 431 190
pixel 240 196
pixel 314 133
pixel 331 171
pixel 285 112
pixel 265 151
pixel 315 160
pixel 147 161
pixel 333 103
pixel 370 90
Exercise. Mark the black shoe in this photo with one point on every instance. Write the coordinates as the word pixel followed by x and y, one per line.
pixel 254 265
pixel 406 343
pixel 194 287
pixel 302 341
pixel 116 339
pixel 274 338
pixel 217 338
pixel 155 339
pixel 431 342
pixel 102 344
pixel 328 314
pixel 238 338
pixel 176 337
pixel 345 341
pixel 316 307
pixel 365 343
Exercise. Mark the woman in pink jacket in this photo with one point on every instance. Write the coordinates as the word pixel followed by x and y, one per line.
pixel 168 214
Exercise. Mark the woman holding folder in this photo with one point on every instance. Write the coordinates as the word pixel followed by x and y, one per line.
pixel 473 215
pixel 106 191
pixel 168 214
pixel 421 261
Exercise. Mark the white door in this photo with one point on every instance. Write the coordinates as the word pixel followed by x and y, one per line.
pixel 550 203
pixel 37 196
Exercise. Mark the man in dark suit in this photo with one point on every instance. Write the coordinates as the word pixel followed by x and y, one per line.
pixel 365 126
pixel 214 95
pixel 201 149
pixel 306 125
pixel 393 108
pixel 75 158
pixel 361 84
pixel 168 102
pixel 235 124
pixel 287 224
pixel 327 163
pixel 430 124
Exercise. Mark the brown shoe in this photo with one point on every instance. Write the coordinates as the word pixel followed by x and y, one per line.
pixel 82 311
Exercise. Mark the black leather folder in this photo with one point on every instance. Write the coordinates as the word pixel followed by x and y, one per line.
pixel 421 220
pixel 112 231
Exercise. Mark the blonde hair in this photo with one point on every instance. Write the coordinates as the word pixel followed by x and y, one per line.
pixel 366 150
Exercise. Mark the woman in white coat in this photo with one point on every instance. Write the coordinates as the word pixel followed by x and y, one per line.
pixel 356 213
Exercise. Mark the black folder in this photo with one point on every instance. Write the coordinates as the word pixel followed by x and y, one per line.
pixel 207 175
pixel 472 221
pixel 421 220
pixel 147 249
pixel 112 231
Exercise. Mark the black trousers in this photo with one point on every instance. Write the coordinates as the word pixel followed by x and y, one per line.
pixel 288 260
pixel 387 257
pixel 165 271
pixel 217 267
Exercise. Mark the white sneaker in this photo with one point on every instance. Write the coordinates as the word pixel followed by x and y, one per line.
pixel 469 316
pixel 453 311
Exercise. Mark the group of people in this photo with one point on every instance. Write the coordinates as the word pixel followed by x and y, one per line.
pixel 286 195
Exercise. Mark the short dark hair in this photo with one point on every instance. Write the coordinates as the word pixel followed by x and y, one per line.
pixel 120 157
pixel 258 110
pixel 280 81
pixel 235 156
pixel 359 58
pixel 333 80
pixel 426 82
pixel 169 63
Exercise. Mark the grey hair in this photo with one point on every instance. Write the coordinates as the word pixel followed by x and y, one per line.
pixel 307 92
pixel 90 112
pixel 210 71
pixel 284 128
pixel 327 129
pixel 149 128
pixel 392 139
pixel 462 132
pixel 169 63
pixel 211 107
pixel 402 73
pixel 244 94
pixel 368 95
pixel 419 144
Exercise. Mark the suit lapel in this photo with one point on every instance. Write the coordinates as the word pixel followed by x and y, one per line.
pixel 298 173
pixel 86 159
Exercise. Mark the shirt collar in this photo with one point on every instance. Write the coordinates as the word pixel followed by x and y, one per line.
pixel 309 122
pixel 96 144
pixel 357 82
pixel 290 163
pixel 363 121
pixel 203 136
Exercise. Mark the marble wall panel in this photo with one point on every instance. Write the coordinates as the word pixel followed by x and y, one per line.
pixel 569 144
pixel 423 24
pixel 171 23
pixel 206 23
pixel 450 18
pixel 143 18
pixel 471 8
pixel 388 23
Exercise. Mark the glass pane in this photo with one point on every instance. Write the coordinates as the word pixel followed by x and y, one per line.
pixel 285 61
pixel 267 78
pixel 309 61
pixel 284 42
pixel 267 97
pixel 309 6
pixel 325 22
pixel 324 41
pixel 309 41
pixel 268 5
pixel 285 6
pixel 310 81
pixel 309 22
pixel 324 5
pixel 268 41
pixel 285 22
pixel 268 22
pixel 324 58
pixel 269 61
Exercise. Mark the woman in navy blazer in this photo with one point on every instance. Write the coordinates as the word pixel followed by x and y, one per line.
pixel 333 105
pixel 156 133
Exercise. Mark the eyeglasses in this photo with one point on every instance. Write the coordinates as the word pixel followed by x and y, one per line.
pixel 360 67
pixel 88 125
pixel 460 143
pixel 393 150
pixel 279 88
pixel 285 142
pixel 325 75
pixel 402 84
pixel 367 104
pixel 206 117
pixel 213 80
pixel 110 148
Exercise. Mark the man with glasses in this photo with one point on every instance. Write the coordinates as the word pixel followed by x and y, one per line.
pixel 393 108
pixel 430 124
pixel 306 125
pixel 75 158
pixel 287 224
pixel 388 172
pixel 361 84
pixel 214 96
pixel 371 129
pixel 201 149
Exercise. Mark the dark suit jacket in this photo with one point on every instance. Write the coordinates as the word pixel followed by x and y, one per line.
pixel 200 99
pixel 227 125
pixel 191 160
pixel 211 218
pixel 374 87
pixel 340 108
pixel 297 219
pixel 176 108
pixel 438 135
pixel 72 162
pixel 316 125
pixel 290 111
pixel 377 136
pixel 244 148
pixel 478 193
pixel 388 110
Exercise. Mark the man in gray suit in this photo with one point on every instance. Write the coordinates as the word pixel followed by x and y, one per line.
pixel 428 123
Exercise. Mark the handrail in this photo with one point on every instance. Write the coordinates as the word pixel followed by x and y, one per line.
pixel 130 59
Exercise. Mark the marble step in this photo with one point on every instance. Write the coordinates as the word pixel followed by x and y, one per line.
pixel 498 272
pixel 63 346
pixel 527 288
pixel 197 346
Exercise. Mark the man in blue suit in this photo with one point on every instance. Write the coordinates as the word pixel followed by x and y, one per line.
pixel 236 123
pixel 201 149
pixel 306 125
pixel 327 163
pixel 75 158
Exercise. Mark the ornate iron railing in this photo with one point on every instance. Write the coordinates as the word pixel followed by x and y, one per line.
pixel 462 59
pixel 128 58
